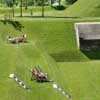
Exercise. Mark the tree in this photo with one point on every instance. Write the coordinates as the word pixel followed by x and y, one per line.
pixel 21 9
pixel 13 12
pixel 10 3
pixel 51 2
pixel 42 8
pixel 1 3
pixel 59 3
pixel 26 4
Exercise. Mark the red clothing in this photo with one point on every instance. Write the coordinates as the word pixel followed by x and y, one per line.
pixel 40 75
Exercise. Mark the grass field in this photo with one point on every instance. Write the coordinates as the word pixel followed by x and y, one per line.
pixel 84 8
pixel 52 45
pixel 82 78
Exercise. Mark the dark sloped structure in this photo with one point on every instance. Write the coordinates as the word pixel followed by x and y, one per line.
pixel 88 35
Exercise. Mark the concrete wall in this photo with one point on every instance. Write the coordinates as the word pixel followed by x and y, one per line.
pixel 87 30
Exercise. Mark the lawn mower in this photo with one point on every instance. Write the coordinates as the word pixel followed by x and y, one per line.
pixel 39 76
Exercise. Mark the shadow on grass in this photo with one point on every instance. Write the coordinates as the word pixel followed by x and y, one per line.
pixel 59 7
pixel 76 56
pixel 69 56
pixel 17 25
pixel 46 17
pixel 92 54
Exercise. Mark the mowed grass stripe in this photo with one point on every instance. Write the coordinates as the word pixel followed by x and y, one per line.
pixel 82 79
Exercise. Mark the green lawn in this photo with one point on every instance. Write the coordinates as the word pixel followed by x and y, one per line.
pixel 82 79
pixel 84 8
pixel 52 45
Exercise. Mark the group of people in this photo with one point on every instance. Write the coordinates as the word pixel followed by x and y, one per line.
pixel 39 75
pixel 16 40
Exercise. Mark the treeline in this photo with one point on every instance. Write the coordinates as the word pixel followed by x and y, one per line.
pixel 10 3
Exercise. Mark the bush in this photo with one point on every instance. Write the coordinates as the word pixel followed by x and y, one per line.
pixel 71 1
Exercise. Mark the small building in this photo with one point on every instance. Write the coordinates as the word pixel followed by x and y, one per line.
pixel 88 35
